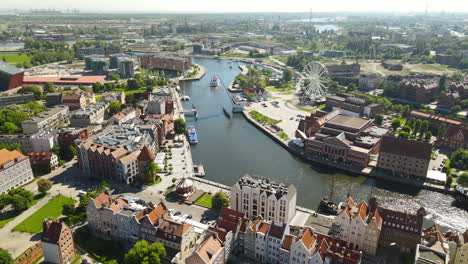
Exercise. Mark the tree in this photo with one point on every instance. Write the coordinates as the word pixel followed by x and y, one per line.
pixel 28 195
pixel 49 87
pixel 428 136
pixel 396 124
pixel 10 128
pixel 31 89
pixel 424 127
pixel 449 181
pixel 114 77
pixel 407 129
pixel 19 203
pixel 287 75
pixel 459 159
pixel 379 119
pixel 442 81
pixel 417 126
pixel 43 185
pixel 151 172
pixel 144 253
pixel 5 257
pixel 404 134
pixel 114 107
pixel 133 84
pixel 463 179
pixel 220 200
pixel 68 209
pixel 5 200
pixel 180 126
pixel 441 130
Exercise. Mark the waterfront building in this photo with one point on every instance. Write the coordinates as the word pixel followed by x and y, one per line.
pixel 57 242
pixel 258 196
pixel 165 62
pixel 92 114
pixel 130 220
pixel 50 119
pixel 353 105
pixel 210 251
pixel 15 170
pixel 230 228
pixel 19 99
pixel 10 77
pixel 358 226
pixel 402 157
pixel 347 140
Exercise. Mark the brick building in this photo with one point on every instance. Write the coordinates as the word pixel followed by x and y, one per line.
pixel 403 157
pixel 69 136
pixel 44 158
pixel 163 62
pixel 353 105
pixel 422 91
pixel 57 242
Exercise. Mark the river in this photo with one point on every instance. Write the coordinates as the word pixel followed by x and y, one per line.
pixel 230 148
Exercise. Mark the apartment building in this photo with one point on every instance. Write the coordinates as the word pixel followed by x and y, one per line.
pixel 165 62
pixel 79 99
pixel 6 100
pixel 258 196
pixel 129 220
pixel 91 114
pixel 358 226
pixel 124 116
pixel 394 157
pixel 421 91
pixel 57 242
pixel 50 119
pixel 15 170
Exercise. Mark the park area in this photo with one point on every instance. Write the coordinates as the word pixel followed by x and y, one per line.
pixel 205 200
pixel 53 209
pixel 15 58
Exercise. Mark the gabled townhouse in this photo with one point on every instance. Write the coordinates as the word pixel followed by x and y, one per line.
pixel 276 234
pixel 211 251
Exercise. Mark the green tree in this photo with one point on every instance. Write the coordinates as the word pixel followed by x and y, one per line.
pixel 10 147
pixel 287 75
pixel 5 257
pixel 145 253
pixel 68 209
pixel 19 203
pixel 404 134
pixel 428 136
pixel 5 200
pixel 151 172
pixel 34 107
pixel 463 179
pixel 442 81
pixel 133 84
pixel 459 159
pixel 114 107
pixel 396 124
pixel 9 128
pixel 31 89
pixel 180 126
pixel 114 77
pixel 220 200
pixel 49 87
pixel 28 195
pixel 379 119
pixel 43 185
pixel 417 126
pixel 441 130
pixel 407 129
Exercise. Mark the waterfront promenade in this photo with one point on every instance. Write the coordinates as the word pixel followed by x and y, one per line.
pixel 197 76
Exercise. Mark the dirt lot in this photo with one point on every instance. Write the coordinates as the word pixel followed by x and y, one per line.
pixel 376 67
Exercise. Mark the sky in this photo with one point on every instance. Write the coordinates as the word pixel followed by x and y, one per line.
pixel 216 6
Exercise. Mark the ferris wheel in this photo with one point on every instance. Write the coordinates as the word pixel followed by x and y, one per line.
pixel 317 75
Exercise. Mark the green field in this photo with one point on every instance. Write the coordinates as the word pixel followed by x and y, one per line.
pixel 9 217
pixel 15 58
pixel 53 209
pixel 282 89
pixel 205 200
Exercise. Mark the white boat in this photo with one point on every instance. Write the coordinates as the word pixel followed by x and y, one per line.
pixel 185 98
pixel 177 88
pixel 214 81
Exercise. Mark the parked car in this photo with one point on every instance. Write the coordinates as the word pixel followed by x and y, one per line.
pixel 178 213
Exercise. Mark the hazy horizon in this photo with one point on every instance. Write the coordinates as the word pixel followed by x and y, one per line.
pixel 244 6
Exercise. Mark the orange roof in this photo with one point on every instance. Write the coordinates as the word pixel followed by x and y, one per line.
pixel 346 210
pixel 264 228
pixel 209 249
pixel 73 79
pixel 6 155
pixel 255 225
pixel 378 218
pixel 308 238
pixel 350 201
pixel 146 154
pixel 287 241
pixel 362 211
pixel 157 212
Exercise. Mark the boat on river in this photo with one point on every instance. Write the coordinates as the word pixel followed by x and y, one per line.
pixel 214 81
pixel 461 195
pixel 192 135
pixel 185 98
pixel 328 207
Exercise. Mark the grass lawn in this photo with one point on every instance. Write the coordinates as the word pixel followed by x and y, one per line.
pixel 8 218
pixel 77 259
pixel 283 136
pixel 53 209
pixel 102 250
pixel 282 89
pixel 15 58
pixel 263 119
pixel 168 191
pixel 205 200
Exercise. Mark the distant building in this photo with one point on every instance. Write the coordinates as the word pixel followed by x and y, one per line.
pixel 344 73
pixel 50 119
pixel 392 66
pixel 164 62
pixel 69 81
pixel 19 99
pixel 353 105
pixel 10 77
pixel 124 116
pixel 404 48
pixel 395 158
pixel 23 140
pixel 462 250
pixel 43 140
pixel 262 197
pixel 92 114
pixel 369 82
pixel 96 64
pixel 457 91
pixel 57 242
pixel 99 50
pixel 332 53
pixel 53 99
pixel 78 99
pixel 15 170
pixel 125 67
pixel 421 91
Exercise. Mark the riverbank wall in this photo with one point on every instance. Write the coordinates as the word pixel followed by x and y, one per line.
pixel 371 173
pixel 197 76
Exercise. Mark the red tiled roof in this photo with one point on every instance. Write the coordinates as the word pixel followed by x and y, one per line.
pixel 263 228
pixel 157 212
pixel 405 147
pixel 308 238
pixel 51 231
pixel 146 154
pixel 277 230
pixel 362 211
pixel 287 241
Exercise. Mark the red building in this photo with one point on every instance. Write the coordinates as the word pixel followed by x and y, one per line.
pixel 67 137
pixel 73 80
pixel 10 77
